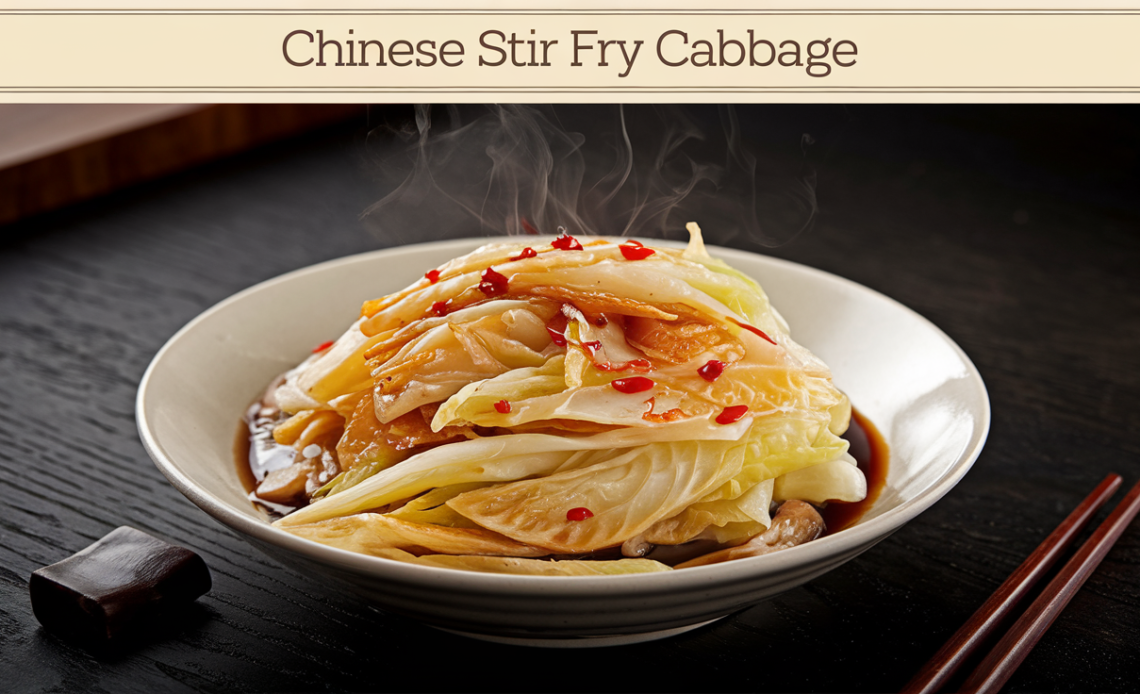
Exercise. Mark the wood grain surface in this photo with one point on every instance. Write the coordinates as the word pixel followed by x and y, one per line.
pixel 1016 229
pixel 52 155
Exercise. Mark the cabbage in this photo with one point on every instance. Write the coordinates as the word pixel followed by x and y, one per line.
pixel 351 478
pixel 626 493
pixel 728 519
pixel 338 370
pixel 527 379
pixel 528 567
pixel 736 290
pixel 834 480
pixel 497 459
pixel 455 353
pixel 776 448
pixel 369 533
pixel 432 508
pixel 524 387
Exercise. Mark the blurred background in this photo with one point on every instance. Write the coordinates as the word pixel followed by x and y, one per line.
pixel 54 155
pixel 774 159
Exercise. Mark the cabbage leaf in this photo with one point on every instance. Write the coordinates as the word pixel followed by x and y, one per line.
pixel 527 379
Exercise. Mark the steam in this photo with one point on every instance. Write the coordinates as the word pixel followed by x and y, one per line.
pixel 613 170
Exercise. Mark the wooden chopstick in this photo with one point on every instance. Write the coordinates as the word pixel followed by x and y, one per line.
pixel 989 616
pixel 998 666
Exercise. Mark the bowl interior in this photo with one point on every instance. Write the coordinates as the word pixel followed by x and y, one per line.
pixel 904 374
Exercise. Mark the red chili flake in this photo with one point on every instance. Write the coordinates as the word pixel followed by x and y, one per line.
pixel 633 384
pixel 601 321
pixel 556 337
pixel 528 228
pixel 503 407
pixel 566 242
pixel 580 513
pixel 527 252
pixel 592 347
pixel 432 276
pixel 557 329
pixel 712 370
pixel 633 250
pixel 493 283
pixel 440 308
pixel 731 414
pixel 751 329
pixel 322 347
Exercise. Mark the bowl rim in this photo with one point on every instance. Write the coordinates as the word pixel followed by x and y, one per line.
pixel 853 539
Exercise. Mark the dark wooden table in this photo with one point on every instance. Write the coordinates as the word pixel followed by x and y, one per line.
pixel 1015 229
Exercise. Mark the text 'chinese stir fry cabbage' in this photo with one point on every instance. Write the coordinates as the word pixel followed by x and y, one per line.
pixel 582 407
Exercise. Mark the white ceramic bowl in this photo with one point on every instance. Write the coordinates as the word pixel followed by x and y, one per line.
pixel 902 372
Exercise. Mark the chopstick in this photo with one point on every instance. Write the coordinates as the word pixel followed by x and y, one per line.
pixel 989 616
pixel 999 665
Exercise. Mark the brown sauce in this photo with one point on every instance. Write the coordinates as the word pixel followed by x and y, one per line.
pixel 257 454
pixel 243 443
pixel 870 451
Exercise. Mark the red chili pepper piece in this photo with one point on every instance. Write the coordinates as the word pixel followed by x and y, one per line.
pixel 493 283
pixel 638 252
pixel 731 414
pixel 503 407
pixel 557 329
pixel 528 228
pixel 601 321
pixel 432 276
pixel 580 513
pixel 439 308
pixel 566 242
pixel 527 252
pixel 592 347
pixel 752 329
pixel 633 384
pixel 712 370
pixel 557 337
pixel 322 347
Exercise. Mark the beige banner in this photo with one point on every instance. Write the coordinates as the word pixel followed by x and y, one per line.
pixel 568 56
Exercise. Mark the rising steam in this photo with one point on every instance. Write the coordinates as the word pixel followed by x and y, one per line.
pixel 619 171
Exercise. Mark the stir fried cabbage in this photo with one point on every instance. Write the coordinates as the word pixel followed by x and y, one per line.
pixel 523 409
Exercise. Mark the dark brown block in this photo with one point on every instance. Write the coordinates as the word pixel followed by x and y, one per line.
pixel 126 578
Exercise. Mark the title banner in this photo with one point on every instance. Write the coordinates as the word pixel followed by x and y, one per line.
pixel 566 56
